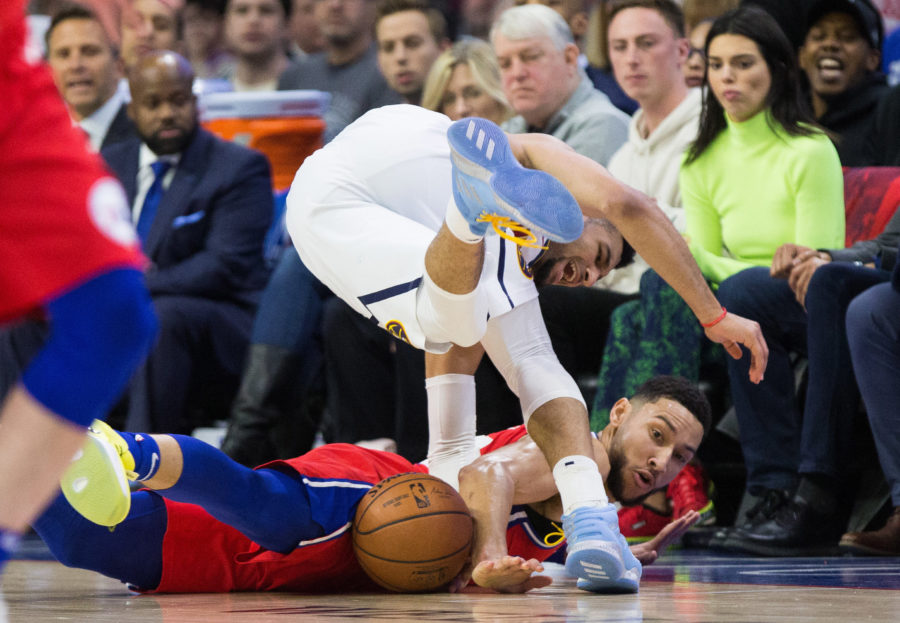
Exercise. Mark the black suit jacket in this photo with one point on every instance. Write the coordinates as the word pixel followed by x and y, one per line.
pixel 120 129
pixel 207 237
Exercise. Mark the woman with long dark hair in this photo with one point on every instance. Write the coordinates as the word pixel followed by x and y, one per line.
pixel 761 180
pixel 761 172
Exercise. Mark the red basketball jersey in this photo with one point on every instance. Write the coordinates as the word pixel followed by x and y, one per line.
pixel 63 218
pixel 202 554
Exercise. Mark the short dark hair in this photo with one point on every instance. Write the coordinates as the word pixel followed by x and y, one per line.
pixel 437 23
pixel 628 254
pixel 73 10
pixel 668 9
pixel 785 99
pixel 286 5
pixel 213 6
pixel 680 390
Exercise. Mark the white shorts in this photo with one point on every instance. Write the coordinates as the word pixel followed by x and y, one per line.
pixel 363 210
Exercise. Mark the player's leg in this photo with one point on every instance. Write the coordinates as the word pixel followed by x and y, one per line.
pixel 556 416
pixel 99 333
pixel 269 507
pixel 132 552
pixel 450 387
pixel 487 180
pixel 64 221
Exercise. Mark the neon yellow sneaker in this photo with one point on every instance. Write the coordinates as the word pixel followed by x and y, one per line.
pixel 96 483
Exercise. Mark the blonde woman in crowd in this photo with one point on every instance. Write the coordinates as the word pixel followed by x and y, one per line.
pixel 465 82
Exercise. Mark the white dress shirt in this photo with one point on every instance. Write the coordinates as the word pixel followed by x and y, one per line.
pixel 145 177
pixel 97 125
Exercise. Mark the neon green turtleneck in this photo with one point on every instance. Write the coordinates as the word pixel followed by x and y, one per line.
pixel 754 189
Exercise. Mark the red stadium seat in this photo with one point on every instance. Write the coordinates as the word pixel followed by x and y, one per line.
pixel 871 196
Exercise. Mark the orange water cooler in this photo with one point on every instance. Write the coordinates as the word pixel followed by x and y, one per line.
pixel 286 126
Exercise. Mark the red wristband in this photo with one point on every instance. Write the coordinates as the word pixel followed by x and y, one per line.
pixel 707 325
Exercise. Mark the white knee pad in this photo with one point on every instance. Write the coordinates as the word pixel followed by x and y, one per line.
pixel 451 318
pixel 518 344
pixel 541 379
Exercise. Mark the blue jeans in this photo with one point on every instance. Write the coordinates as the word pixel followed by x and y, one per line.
pixel 873 329
pixel 290 313
pixel 778 443
pixel 290 309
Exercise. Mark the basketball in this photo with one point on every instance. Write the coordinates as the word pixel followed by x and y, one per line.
pixel 412 533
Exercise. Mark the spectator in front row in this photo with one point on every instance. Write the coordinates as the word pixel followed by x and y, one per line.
pixel 873 328
pixel 202 207
pixel 547 89
pixel 410 35
pixel 758 158
pixel 86 70
pixel 801 304
pixel 840 56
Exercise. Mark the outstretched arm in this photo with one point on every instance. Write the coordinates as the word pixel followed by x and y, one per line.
pixel 645 226
pixel 515 474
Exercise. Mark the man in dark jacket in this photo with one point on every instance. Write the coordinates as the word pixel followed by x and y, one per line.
pixel 202 207
pixel 841 56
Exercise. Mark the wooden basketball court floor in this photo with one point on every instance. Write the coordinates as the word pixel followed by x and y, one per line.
pixel 684 585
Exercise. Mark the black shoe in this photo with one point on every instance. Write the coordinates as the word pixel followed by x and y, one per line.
pixel 767 503
pixel 795 529
pixel 268 377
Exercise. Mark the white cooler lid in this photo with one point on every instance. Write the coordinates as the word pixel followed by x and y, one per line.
pixel 252 104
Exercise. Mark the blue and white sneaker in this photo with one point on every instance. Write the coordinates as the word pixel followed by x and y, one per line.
pixel 491 187
pixel 593 550
pixel 630 579
pixel 628 583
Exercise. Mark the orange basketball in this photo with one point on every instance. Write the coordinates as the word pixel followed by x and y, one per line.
pixel 412 533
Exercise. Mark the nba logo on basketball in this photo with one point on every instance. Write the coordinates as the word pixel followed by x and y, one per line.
pixel 418 491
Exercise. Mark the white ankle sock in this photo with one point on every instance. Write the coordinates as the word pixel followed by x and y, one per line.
pixel 458 225
pixel 579 482
pixel 451 425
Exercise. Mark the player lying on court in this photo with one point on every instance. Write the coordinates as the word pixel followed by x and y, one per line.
pixel 395 216
pixel 212 525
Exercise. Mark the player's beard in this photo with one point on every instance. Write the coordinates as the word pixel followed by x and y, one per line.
pixel 618 470
pixel 543 269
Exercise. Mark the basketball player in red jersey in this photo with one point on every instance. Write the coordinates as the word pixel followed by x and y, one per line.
pixel 69 253
pixel 212 525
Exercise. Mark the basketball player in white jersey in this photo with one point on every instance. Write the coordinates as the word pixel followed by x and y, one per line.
pixel 395 217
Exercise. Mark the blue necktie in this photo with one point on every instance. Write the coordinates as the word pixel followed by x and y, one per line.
pixel 151 201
